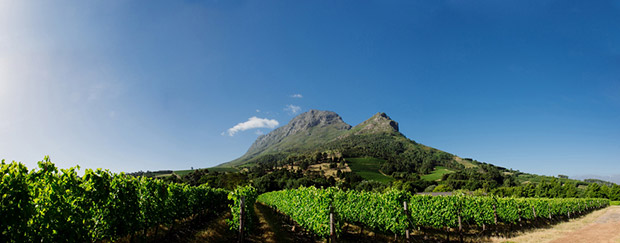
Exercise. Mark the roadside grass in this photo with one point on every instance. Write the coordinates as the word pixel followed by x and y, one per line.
pixel 616 203
pixel 437 173
pixel 368 168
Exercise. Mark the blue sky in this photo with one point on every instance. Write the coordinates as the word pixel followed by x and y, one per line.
pixel 148 85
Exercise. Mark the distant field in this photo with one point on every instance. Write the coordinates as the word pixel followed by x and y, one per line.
pixel 181 173
pixel 368 168
pixel 223 169
pixel 523 178
pixel 437 173
pixel 162 175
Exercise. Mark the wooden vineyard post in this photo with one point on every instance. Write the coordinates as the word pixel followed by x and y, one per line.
pixel 460 229
pixel 534 211
pixel 406 215
pixel 495 213
pixel 332 228
pixel 519 212
pixel 495 219
pixel 241 214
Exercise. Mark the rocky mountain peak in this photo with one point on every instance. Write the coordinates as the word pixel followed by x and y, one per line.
pixel 380 122
pixel 313 118
pixel 302 125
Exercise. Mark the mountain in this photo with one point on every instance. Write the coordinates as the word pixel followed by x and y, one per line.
pixel 374 149
pixel 325 132
pixel 305 132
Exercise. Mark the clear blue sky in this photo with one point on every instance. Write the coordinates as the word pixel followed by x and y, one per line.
pixel 148 85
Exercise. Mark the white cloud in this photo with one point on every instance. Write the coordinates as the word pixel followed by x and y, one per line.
pixel 293 109
pixel 299 96
pixel 252 123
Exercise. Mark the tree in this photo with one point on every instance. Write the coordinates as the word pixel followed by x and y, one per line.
pixel 570 190
pixel 442 188
pixel 614 192
pixel 594 191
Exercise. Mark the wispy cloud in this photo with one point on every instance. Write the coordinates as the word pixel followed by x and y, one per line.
pixel 293 109
pixel 299 96
pixel 252 123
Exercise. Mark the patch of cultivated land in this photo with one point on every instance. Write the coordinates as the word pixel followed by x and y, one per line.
pixel 598 226
pixel 368 168
pixel 322 167
pixel 162 175
pixel 328 171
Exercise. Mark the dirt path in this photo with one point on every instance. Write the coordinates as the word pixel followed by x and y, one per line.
pixel 270 228
pixel 599 226
pixel 214 231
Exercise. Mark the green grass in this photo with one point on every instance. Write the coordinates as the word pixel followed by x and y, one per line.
pixel 521 178
pixel 615 202
pixel 368 168
pixel 162 175
pixel 436 174
pixel 181 173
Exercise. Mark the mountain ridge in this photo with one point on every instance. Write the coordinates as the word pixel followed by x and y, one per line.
pixel 318 131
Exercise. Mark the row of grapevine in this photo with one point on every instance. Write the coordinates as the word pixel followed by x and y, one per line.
pixel 438 212
pixel 249 195
pixel 383 212
pixel 307 206
pixel 46 205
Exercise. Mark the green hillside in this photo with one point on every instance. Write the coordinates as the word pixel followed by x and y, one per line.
pixel 368 168
pixel 437 173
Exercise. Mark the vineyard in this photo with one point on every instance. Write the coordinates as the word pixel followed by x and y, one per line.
pixel 46 205
pixel 385 212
